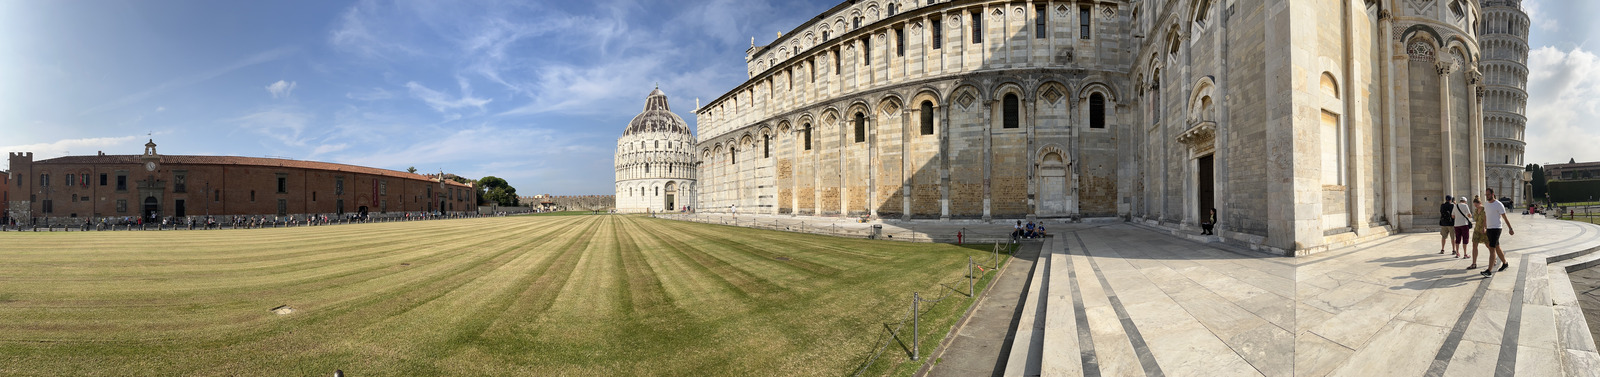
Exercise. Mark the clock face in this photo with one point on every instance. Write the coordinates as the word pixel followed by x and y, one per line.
pixel 151 166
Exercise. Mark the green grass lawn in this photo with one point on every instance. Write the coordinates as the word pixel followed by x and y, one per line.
pixel 524 295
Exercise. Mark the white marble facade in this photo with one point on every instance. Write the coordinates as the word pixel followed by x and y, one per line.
pixel 655 161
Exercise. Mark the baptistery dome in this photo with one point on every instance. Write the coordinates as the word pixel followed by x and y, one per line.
pixel 657 117
pixel 655 160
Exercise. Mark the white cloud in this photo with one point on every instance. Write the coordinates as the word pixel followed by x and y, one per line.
pixel 283 124
pixel 161 108
pixel 442 102
pixel 1535 11
pixel 1563 105
pixel 259 58
pixel 372 95
pixel 84 146
pixel 281 89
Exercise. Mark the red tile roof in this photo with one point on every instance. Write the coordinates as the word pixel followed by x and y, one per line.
pixel 243 161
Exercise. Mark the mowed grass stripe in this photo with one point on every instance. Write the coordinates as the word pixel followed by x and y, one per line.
pixel 742 282
pixel 562 295
pixel 688 284
pixel 249 305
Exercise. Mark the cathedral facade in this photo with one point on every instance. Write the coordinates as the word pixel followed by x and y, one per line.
pixel 655 161
pixel 1305 125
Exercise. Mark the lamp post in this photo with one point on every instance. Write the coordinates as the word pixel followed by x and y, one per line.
pixel 1527 188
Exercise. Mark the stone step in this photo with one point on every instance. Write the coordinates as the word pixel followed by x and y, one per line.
pixel 1027 344
pixel 1575 341
pixel 1579 260
pixel 1061 356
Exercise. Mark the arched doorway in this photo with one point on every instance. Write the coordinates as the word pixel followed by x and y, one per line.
pixel 151 209
pixel 1052 184
pixel 672 194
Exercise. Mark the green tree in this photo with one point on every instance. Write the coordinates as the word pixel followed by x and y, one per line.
pixel 1540 186
pixel 412 170
pixel 496 190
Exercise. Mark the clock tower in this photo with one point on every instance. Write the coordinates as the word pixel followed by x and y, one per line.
pixel 152 161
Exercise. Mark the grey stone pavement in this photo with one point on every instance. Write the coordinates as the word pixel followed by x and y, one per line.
pixel 1121 299
pixel 981 343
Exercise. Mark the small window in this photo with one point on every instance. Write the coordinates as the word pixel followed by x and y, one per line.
pixel 338 186
pixel 216 195
pixel 44 180
pixel 102 179
pixel 179 183
pixel 766 146
pixel 866 51
pixel 899 42
pixel 283 185
pixel 892 9
pixel 122 183
pixel 1011 111
pixel 855 23
pixel 861 127
pixel 808 136
pixel 252 196
pixel 313 196
pixel 1039 21
pixel 938 35
pixel 1097 111
pixel 733 155
pixel 927 117
pixel 85 181
pixel 122 205
pixel 72 180
pixel 283 207
pixel 1083 22
pixel 977 27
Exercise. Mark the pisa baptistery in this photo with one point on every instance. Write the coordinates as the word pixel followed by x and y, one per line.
pixel 655 160
pixel 1503 38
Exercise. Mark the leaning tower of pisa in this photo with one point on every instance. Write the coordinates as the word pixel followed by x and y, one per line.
pixel 1503 40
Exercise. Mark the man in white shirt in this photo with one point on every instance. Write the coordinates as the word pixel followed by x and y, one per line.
pixel 1494 214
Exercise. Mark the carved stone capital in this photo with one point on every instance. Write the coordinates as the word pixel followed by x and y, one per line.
pixel 1383 14
pixel 1480 93
pixel 1444 66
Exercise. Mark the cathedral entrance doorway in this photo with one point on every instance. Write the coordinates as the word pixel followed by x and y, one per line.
pixel 151 208
pixel 1207 184
pixel 672 193
pixel 1052 185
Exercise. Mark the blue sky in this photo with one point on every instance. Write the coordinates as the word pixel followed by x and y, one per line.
pixel 534 92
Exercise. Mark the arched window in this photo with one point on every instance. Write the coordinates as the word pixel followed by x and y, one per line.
pixel 1097 111
pixel 861 127
pixel 927 117
pixel 766 146
pixel 892 9
pixel 824 35
pixel 1009 116
pixel 647 168
pixel 855 23
pixel 808 135
pixel 733 155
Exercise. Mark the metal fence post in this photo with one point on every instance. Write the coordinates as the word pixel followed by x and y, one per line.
pixel 970 283
pixel 914 322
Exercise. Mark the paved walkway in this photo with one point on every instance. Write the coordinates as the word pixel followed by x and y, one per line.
pixel 981 344
pixel 1123 300
pixel 972 231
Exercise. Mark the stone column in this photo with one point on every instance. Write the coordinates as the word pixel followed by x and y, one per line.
pixel 1444 66
pixel 1475 156
pixel 988 149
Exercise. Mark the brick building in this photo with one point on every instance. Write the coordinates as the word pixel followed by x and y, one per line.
pixel 1572 172
pixel 154 186
pixel 5 197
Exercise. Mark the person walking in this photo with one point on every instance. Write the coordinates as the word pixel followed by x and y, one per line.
pixel 1479 233
pixel 1495 211
pixel 1447 225
pixel 1463 219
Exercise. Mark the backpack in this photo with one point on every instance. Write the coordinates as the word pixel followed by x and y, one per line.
pixel 1445 219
